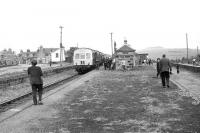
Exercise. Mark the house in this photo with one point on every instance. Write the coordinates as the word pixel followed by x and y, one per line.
pixel 26 57
pixel 8 57
pixel 58 55
pixel 126 56
pixel 45 55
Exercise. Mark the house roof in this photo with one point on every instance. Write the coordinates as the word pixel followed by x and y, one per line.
pixel 125 48
pixel 49 50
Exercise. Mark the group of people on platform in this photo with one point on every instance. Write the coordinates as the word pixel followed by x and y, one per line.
pixel 108 64
pixel 146 62
pixel 164 70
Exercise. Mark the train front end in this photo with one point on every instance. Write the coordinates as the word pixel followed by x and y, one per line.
pixel 83 60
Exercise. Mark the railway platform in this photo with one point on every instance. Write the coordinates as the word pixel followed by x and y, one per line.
pixel 189 82
pixel 26 117
pixel 104 101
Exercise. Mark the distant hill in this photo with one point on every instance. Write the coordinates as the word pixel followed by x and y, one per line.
pixel 171 53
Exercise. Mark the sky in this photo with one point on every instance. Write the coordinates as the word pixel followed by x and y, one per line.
pixel 28 24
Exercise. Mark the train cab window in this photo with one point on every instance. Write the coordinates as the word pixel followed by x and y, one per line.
pixel 77 56
pixel 82 56
pixel 87 55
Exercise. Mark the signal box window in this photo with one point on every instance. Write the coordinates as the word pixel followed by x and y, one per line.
pixel 56 55
pixel 87 55
pixel 77 56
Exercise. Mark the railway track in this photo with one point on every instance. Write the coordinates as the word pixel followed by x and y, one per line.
pixel 46 88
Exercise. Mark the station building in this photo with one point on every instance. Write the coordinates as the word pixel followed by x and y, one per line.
pixel 126 56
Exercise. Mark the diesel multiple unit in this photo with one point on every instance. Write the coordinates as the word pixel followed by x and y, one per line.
pixel 86 59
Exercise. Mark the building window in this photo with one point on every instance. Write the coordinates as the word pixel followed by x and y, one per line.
pixel 77 56
pixel 125 52
pixel 56 55
pixel 82 56
pixel 87 55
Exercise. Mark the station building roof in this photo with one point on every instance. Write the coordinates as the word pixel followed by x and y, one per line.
pixel 125 48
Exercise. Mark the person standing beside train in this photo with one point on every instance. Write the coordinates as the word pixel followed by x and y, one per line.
pixel 158 67
pixel 35 73
pixel 165 70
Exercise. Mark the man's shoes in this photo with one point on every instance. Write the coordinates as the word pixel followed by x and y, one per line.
pixel 167 86
pixel 35 102
pixel 40 103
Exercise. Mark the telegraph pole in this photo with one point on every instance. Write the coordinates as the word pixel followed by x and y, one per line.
pixel 61 44
pixel 111 44
pixel 198 53
pixel 187 46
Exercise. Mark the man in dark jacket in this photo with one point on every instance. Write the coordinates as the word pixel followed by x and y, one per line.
pixel 158 67
pixel 165 70
pixel 36 81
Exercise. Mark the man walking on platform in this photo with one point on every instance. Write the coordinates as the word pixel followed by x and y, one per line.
pixel 165 70
pixel 158 67
pixel 35 73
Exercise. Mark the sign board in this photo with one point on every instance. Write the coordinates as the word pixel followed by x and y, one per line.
pixel 122 62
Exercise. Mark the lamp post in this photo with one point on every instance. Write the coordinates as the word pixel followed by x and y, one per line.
pixel 187 47
pixel 61 45
pixel 111 44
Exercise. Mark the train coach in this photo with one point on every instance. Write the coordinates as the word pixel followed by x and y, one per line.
pixel 86 59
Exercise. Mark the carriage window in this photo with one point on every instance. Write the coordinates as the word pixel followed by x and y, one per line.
pixel 82 56
pixel 87 55
pixel 77 56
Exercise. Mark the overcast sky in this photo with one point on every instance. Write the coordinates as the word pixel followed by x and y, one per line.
pixel 27 24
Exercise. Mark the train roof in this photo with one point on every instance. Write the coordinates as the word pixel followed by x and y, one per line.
pixel 91 50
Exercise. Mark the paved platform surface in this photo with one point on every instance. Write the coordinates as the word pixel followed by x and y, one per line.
pixel 111 102
pixel 190 83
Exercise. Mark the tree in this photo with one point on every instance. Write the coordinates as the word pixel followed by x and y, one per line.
pixel 21 51
pixel 28 51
